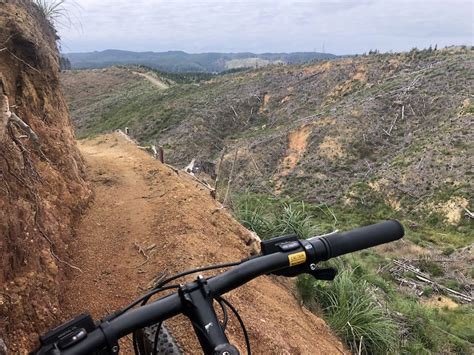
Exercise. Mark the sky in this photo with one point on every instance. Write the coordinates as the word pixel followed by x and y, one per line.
pixel 332 26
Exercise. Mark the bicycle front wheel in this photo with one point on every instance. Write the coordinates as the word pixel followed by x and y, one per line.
pixel 166 344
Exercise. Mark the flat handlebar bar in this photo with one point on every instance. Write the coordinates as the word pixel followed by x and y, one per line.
pixel 336 244
pixel 316 249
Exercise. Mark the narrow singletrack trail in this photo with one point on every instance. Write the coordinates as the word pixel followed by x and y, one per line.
pixel 147 220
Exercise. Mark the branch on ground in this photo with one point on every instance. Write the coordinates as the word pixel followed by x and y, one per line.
pixel 468 213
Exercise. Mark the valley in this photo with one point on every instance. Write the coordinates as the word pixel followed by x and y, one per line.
pixel 329 145
pixel 136 166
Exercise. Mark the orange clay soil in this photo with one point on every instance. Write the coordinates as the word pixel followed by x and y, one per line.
pixel 147 219
pixel 297 142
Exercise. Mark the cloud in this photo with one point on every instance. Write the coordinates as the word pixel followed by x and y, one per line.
pixel 343 26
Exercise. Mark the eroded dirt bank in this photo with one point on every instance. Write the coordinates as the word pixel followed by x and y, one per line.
pixel 42 190
pixel 142 205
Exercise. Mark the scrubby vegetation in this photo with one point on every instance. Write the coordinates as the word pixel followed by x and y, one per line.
pixel 351 309
pixel 358 140
pixel 363 305
pixel 57 13
pixel 51 9
pixel 270 218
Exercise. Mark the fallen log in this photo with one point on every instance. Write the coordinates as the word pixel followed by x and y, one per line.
pixel 425 278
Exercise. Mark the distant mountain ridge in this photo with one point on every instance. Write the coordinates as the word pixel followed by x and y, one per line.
pixel 178 61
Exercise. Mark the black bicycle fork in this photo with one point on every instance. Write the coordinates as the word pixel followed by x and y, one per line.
pixel 198 306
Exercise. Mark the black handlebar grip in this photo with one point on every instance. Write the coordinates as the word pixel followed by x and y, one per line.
pixel 332 245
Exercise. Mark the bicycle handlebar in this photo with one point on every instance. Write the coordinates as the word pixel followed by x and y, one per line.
pixel 336 244
pixel 170 306
pixel 310 251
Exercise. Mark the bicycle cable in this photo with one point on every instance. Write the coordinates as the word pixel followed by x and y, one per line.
pixel 224 313
pixel 193 271
pixel 160 287
pixel 155 342
pixel 138 300
pixel 188 272
pixel 237 315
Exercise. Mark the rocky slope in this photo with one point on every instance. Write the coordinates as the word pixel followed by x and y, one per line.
pixel 42 190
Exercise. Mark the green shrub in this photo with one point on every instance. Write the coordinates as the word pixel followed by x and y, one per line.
pixel 53 10
pixel 269 218
pixel 427 291
pixel 351 310
pixel 448 250
pixel 431 267
pixel 252 212
pixel 295 219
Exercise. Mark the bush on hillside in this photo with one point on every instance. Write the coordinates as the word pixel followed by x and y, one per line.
pixel 269 219
pixel 351 309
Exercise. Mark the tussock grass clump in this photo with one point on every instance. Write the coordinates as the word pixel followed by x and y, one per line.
pixel 52 10
pixel 56 12
pixel 295 218
pixel 254 214
pixel 269 218
pixel 351 309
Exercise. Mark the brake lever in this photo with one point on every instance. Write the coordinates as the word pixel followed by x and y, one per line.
pixel 327 274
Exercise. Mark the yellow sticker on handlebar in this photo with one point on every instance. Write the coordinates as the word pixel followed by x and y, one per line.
pixel 297 258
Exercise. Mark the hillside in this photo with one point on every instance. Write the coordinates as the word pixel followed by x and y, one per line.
pixel 178 61
pixel 398 122
pixel 357 139
pixel 74 222
pixel 42 187
pixel 72 230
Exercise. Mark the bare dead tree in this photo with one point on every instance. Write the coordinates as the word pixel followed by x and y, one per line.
pixel 218 173
pixel 402 266
pixel 468 213
pixel 235 113
pixel 230 177
pixel 389 132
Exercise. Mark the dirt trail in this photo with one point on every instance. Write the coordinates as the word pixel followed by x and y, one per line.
pixel 155 81
pixel 140 202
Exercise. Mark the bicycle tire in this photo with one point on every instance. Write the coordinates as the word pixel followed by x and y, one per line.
pixel 167 344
